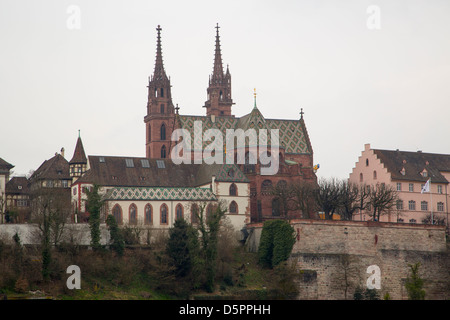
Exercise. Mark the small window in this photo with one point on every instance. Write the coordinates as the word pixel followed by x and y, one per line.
pixel 133 214
pixel 101 159
pixel 425 174
pixel 163 132
pixel 162 109
pixel 233 190
pixel 129 163
pixel 424 206
pixel 148 214
pixel 266 186
pixel 179 211
pixel 399 204
pixel 233 207
pixel 411 187
pixel 374 175
pixel 194 213
pixel 117 213
pixel 399 186
pixel 163 152
pixel 412 220
pixel 440 206
pixel 145 163
pixel 439 189
pixel 412 205
pixel 163 219
pixel 367 162
pixel 361 178
pixel 160 164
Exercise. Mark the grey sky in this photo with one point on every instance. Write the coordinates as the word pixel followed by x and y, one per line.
pixel 388 87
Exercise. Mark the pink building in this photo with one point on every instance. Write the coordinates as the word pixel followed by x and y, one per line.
pixel 407 172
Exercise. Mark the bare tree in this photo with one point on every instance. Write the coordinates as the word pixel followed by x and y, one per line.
pixel 285 194
pixel 303 198
pixel 351 199
pixel 50 212
pixel 381 199
pixel 328 196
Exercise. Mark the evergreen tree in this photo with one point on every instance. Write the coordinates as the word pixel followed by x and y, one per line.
pixel 178 247
pixel 277 240
pixel 414 284
pixel 117 242
pixel 93 205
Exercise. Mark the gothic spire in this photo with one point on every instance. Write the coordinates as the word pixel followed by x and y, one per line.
pixel 159 73
pixel 218 68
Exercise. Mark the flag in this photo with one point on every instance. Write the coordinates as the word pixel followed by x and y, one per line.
pixel 426 187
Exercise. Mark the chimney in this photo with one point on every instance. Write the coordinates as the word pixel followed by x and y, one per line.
pixel 62 151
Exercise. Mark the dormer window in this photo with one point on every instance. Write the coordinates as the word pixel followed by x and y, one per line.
pixel 424 173
pixel 403 171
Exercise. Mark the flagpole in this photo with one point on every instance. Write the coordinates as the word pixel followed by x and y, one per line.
pixel 431 199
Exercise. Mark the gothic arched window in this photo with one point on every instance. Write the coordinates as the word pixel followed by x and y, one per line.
pixel 117 213
pixel 233 207
pixel 179 211
pixel 132 214
pixel 164 214
pixel 233 190
pixel 194 213
pixel 148 214
pixel 163 132
pixel 163 152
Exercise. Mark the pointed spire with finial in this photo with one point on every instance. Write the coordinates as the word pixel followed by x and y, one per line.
pixel 254 97
pixel 79 156
pixel 159 73
pixel 218 67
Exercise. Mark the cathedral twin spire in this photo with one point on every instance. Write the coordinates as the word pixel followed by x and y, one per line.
pixel 219 100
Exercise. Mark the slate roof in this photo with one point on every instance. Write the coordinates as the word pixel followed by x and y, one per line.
pixel 414 163
pixel 79 156
pixel 5 166
pixel 17 185
pixel 293 136
pixel 55 168
pixel 143 172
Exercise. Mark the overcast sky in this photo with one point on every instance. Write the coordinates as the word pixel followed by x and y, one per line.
pixel 373 72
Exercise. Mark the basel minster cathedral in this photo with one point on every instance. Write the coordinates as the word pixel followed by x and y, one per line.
pixel 295 151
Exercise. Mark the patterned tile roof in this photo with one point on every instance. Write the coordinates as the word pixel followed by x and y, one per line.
pixel 293 136
pixel 159 193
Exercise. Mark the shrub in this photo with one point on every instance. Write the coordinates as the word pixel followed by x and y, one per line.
pixel 277 240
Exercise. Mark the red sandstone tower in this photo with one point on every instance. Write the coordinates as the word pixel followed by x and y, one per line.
pixel 219 89
pixel 159 121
